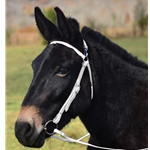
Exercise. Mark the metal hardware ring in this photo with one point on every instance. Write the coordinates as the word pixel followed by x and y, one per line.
pixel 45 127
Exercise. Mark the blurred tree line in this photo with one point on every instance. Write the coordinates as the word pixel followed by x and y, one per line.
pixel 141 16
pixel 139 12
pixel 50 14
pixel 140 21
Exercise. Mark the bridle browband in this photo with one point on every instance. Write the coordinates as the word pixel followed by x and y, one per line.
pixel 71 97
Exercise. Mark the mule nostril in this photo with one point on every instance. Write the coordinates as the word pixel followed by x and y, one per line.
pixel 28 130
pixel 24 130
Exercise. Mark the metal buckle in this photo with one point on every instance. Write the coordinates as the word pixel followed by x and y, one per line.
pixel 45 127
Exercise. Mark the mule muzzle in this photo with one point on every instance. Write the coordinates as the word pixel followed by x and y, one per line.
pixel 29 129
pixel 28 135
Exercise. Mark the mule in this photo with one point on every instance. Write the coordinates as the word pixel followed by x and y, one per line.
pixel 116 114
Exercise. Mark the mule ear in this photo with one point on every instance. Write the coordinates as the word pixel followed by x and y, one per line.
pixel 63 24
pixel 46 27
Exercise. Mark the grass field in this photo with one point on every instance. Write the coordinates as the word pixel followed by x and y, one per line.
pixel 18 78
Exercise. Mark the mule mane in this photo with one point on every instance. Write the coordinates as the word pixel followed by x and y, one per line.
pixel 98 38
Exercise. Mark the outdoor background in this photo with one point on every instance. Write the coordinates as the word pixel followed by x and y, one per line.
pixel 123 21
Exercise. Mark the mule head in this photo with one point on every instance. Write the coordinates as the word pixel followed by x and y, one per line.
pixel 55 72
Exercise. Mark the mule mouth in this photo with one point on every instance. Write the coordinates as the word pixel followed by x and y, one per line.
pixel 34 139
pixel 39 141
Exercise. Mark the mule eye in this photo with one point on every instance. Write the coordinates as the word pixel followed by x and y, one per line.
pixel 62 72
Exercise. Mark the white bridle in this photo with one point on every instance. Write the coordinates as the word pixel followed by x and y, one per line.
pixel 71 97
pixel 76 87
